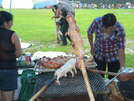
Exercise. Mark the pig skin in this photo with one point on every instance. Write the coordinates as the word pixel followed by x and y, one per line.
pixel 74 33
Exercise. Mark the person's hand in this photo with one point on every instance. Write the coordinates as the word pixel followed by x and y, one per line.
pixel 53 10
pixel 123 77
pixel 52 17
pixel 60 15
pixel 92 51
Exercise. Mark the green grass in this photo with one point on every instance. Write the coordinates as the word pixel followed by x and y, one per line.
pixel 36 26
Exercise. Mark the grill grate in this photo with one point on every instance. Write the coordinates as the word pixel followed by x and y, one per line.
pixel 70 86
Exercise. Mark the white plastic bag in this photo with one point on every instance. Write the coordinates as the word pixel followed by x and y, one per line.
pixel 57 19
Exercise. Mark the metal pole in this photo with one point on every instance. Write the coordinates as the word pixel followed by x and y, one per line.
pixel 10 5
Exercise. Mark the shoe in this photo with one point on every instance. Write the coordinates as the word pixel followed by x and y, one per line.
pixel 63 44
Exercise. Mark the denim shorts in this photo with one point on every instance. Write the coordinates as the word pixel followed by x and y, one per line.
pixel 8 80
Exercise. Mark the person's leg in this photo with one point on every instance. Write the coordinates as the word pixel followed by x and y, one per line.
pixel 7 95
pixel 69 38
pixel 65 29
pixel 101 65
pixel 0 95
pixel 57 33
pixel 61 30
pixel 61 35
pixel 68 35
pixel 113 67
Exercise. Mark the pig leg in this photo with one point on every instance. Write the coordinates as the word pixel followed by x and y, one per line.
pixel 57 74
pixel 57 81
pixel 75 70
pixel 71 73
pixel 65 75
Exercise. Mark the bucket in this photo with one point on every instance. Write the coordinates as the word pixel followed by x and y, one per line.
pixel 28 58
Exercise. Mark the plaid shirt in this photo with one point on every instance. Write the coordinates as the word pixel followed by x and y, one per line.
pixel 109 47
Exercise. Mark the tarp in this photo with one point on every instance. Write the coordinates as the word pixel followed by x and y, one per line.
pixel 23 4
pixel 28 4
pixel 0 2
pixel 43 3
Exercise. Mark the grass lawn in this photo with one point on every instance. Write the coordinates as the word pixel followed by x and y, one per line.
pixel 36 26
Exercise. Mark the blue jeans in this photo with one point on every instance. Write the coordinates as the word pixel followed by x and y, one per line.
pixel 61 29
pixel 65 27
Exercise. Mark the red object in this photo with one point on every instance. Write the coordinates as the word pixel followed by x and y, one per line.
pixel 28 59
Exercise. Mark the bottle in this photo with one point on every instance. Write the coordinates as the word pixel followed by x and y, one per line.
pixel 28 58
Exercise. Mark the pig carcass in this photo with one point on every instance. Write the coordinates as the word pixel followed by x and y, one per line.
pixel 74 33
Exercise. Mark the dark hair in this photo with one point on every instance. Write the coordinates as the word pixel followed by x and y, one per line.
pixel 2 20
pixel 7 16
pixel 56 6
pixel 108 20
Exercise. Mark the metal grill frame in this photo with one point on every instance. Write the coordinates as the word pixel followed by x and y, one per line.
pixel 70 86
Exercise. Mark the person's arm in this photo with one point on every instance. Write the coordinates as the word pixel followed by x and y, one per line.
pixel 90 39
pixel 126 76
pixel 62 16
pixel 121 58
pixel 53 10
pixel 121 45
pixel 64 13
pixel 90 32
pixel 57 14
pixel 16 42
pixel 131 75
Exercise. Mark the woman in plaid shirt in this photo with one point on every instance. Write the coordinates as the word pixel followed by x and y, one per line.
pixel 109 44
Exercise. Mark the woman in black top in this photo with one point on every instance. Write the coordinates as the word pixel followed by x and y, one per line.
pixel 10 49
